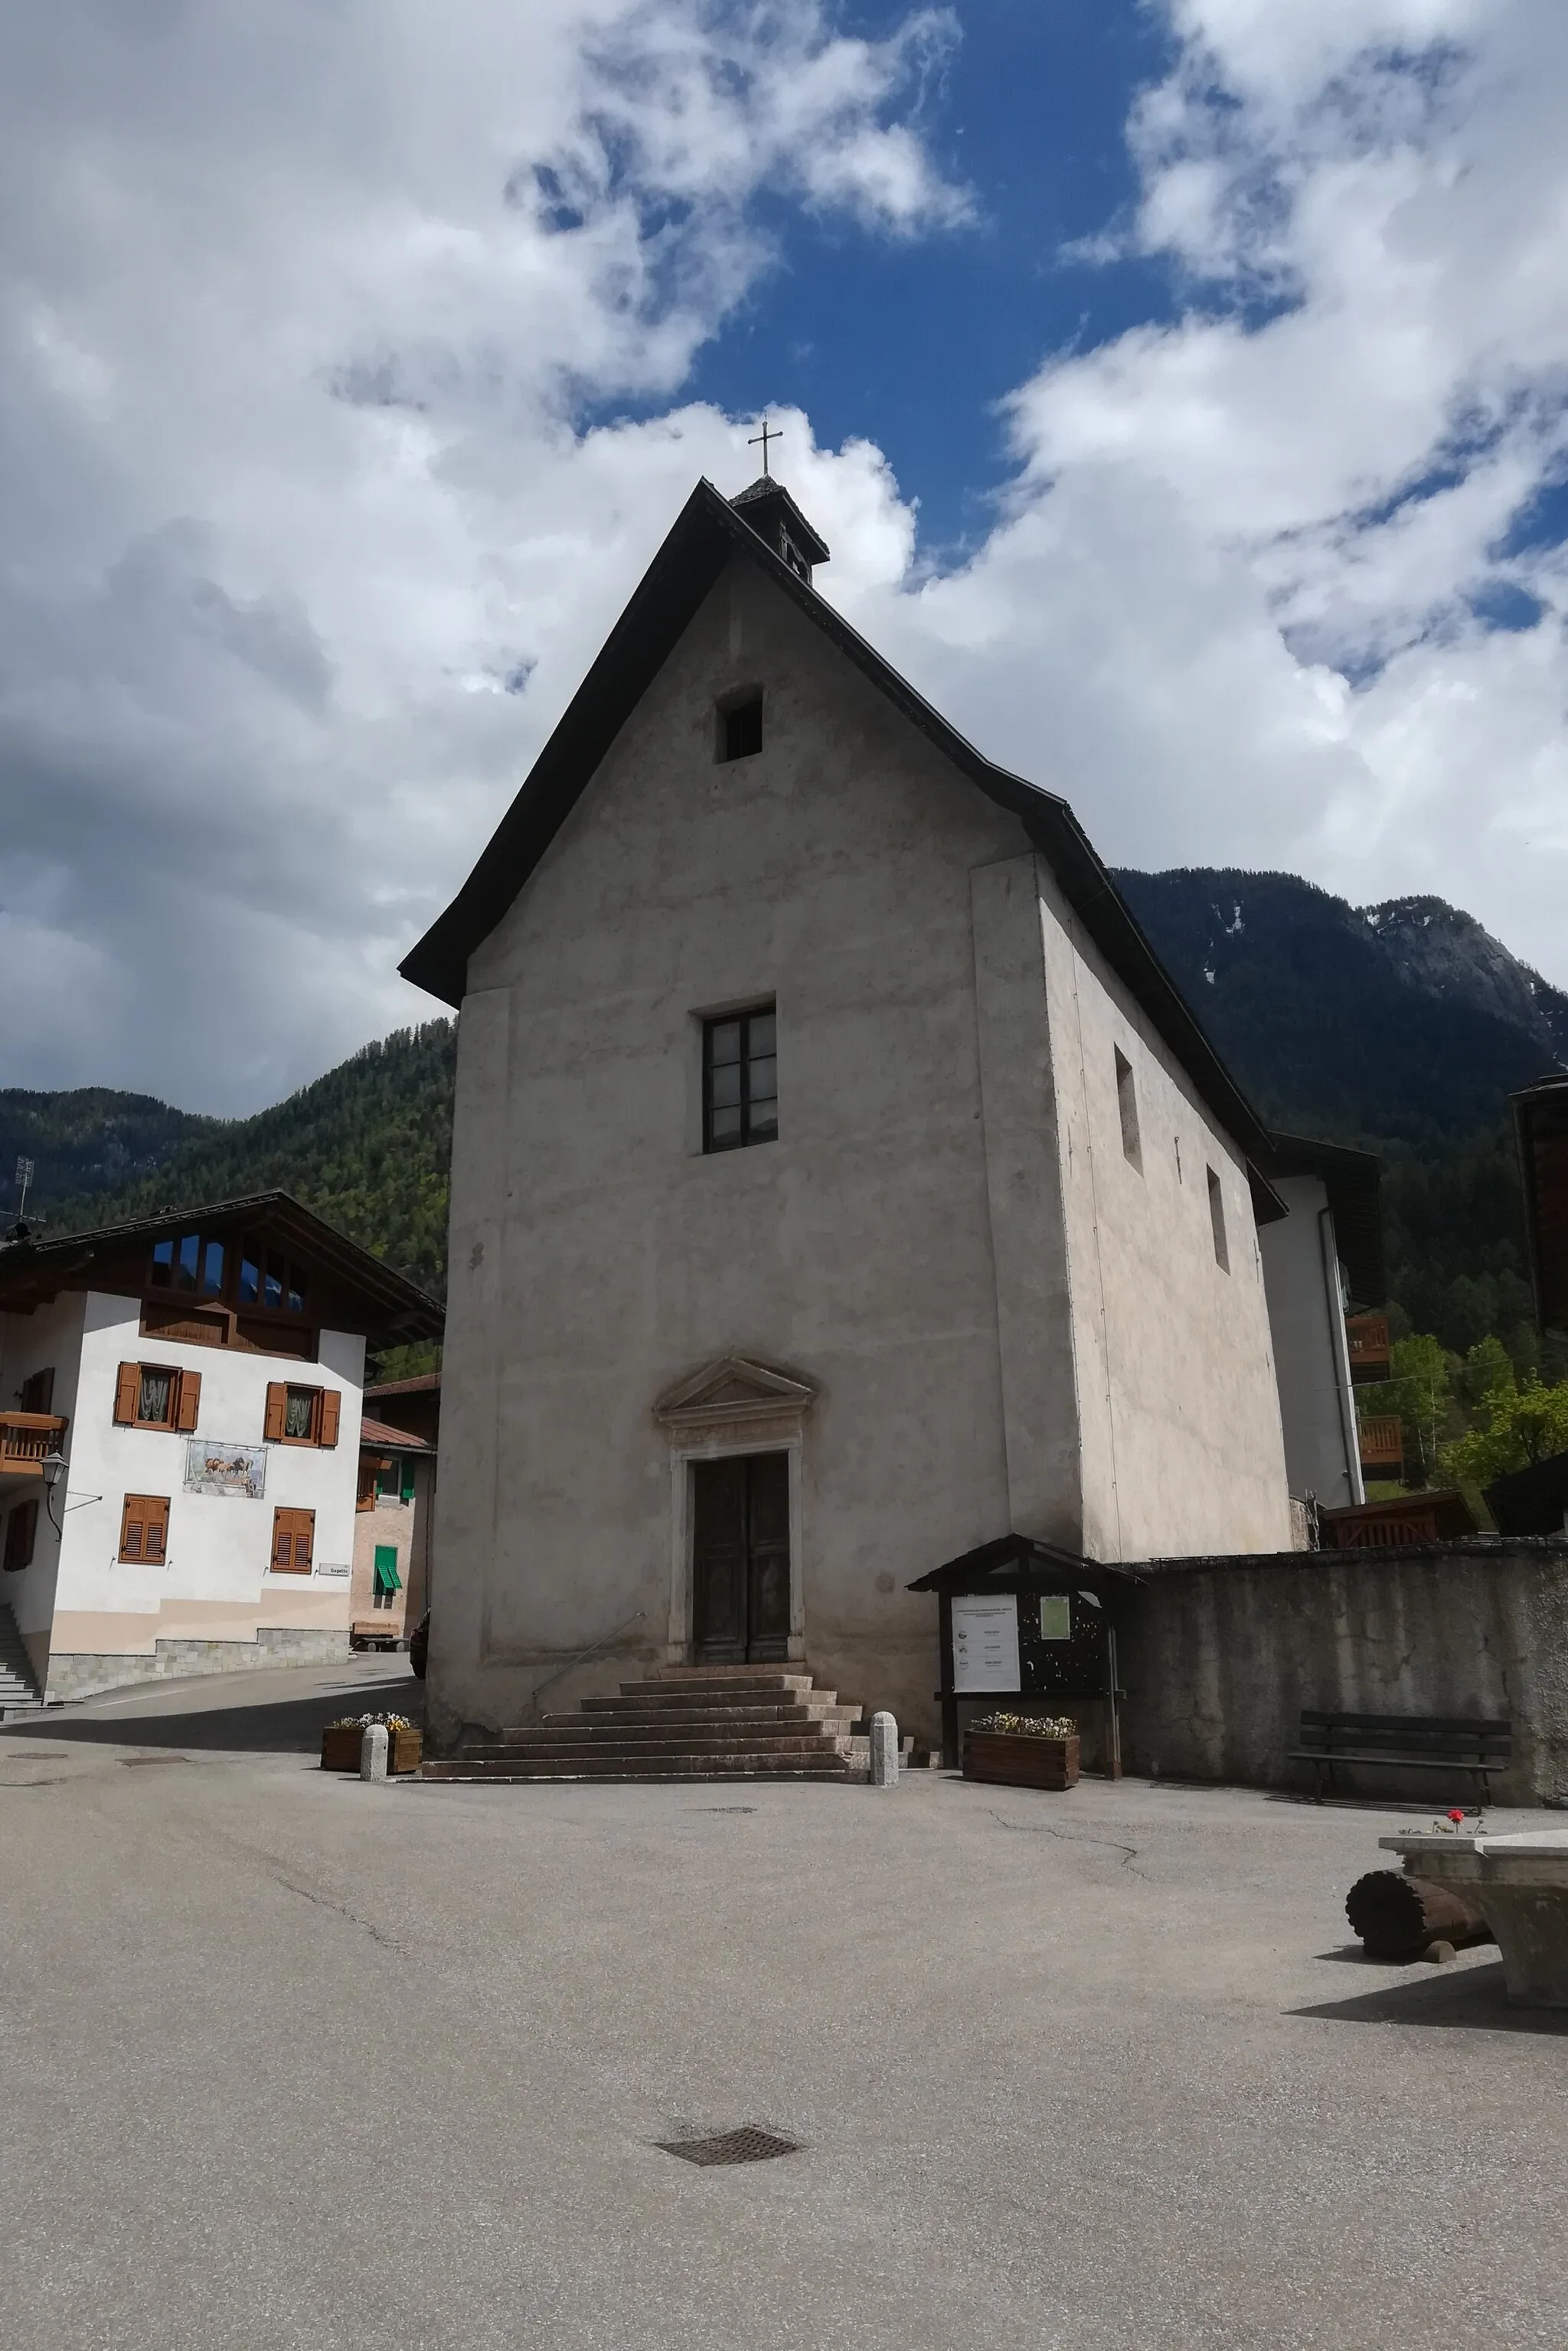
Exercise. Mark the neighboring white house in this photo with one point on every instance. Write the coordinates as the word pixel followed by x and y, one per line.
pixel 179 1445
pixel 839 1180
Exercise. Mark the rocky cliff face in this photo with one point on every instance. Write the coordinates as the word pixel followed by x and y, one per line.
pixel 1446 952
pixel 1405 1021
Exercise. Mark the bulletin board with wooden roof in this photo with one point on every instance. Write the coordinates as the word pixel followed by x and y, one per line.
pixel 1028 1620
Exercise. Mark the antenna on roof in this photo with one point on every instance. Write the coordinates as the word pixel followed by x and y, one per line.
pixel 767 435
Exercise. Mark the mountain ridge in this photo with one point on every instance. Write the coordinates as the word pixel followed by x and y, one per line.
pixel 1400 1027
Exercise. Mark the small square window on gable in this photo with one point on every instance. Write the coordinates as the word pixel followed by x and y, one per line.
pixel 740 725
pixel 1127 1106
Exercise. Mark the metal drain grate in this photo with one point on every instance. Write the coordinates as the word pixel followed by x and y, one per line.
pixel 748 2145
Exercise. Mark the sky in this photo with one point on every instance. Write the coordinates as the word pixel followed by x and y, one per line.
pixel 1182 388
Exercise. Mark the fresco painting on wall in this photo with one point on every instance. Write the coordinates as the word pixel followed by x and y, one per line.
pixel 212 1468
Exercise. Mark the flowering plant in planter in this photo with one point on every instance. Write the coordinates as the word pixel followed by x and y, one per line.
pixel 1023 1750
pixel 340 1742
pixel 1029 1726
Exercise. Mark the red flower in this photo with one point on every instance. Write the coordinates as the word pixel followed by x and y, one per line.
pixel 1456 1813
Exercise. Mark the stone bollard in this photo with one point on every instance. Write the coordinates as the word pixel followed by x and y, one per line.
pixel 884 1752
pixel 373 1751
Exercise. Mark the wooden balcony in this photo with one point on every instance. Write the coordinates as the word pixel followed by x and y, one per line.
pixel 26 1438
pixel 1412 1519
pixel 1369 1346
pixel 1382 1446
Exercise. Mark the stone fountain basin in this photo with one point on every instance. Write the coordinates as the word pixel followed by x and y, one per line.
pixel 1519 1884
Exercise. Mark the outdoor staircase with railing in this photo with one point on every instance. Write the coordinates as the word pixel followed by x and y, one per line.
pixel 683 1722
pixel 19 1693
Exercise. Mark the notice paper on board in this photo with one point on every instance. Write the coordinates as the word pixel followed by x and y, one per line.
pixel 986 1642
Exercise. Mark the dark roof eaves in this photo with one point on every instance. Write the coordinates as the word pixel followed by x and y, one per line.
pixel 77 1250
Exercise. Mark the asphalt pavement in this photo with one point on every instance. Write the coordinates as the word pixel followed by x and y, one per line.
pixel 290 2061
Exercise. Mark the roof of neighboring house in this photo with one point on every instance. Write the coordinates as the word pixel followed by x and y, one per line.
pixel 1353 1181
pixel 1012 1559
pixel 391 1309
pixel 423 1383
pixel 706 534
pixel 1532 1501
pixel 383 1438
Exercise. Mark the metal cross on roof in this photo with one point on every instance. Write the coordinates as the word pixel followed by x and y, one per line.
pixel 767 435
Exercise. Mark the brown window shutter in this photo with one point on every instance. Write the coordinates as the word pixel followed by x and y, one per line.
pixel 276 1405
pixel 127 1388
pixel 157 1539
pixel 293 1541
pixel 188 1402
pixel 21 1533
pixel 331 1405
pixel 132 1520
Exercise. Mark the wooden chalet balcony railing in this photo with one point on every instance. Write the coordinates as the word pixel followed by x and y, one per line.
pixel 1368 1337
pixel 1412 1519
pixel 1383 1446
pixel 27 1436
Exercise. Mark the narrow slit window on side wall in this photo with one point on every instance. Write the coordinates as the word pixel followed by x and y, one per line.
pixel 1217 1218
pixel 740 729
pixel 740 1081
pixel 1127 1106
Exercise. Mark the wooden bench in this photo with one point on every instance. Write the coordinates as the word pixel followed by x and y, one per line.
pixel 1404 1742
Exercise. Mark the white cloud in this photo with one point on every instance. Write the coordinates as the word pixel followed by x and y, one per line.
pixel 294 305
pixel 1307 477
pixel 295 509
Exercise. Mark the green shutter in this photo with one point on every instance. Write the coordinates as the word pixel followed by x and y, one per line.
pixel 387 1576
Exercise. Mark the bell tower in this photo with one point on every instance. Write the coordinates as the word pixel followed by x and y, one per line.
pixel 773 515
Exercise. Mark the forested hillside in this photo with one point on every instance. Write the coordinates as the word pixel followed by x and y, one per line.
pixel 1402 1028
pixel 90 1140
pixel 368 1146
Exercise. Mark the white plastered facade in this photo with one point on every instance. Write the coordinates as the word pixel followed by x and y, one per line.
pixel 90 1619
pixel 1306 1313
pixel 995 1320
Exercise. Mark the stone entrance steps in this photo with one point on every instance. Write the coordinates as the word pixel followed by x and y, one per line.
pixel 19 1693
pixel 696 1723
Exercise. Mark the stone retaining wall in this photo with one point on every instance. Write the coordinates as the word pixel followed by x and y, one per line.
pixel 83 1674
pixel 1218 1656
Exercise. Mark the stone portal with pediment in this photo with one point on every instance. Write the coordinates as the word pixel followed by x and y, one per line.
pixel 737 1431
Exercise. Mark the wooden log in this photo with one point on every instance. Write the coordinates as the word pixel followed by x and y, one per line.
pixel 1397 1916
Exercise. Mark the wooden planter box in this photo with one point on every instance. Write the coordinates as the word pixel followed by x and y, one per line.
pixel 1012 1759
pixel 340 1750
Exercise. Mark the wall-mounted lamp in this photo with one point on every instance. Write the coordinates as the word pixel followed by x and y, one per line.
pixel 53 1467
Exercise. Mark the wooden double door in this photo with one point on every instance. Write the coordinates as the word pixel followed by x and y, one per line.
pixel 740 1559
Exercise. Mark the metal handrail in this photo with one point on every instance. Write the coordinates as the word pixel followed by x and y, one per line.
pixel 603 1642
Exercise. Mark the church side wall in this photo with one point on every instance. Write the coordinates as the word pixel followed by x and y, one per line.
pixel 1183 1448
pixel 597 1256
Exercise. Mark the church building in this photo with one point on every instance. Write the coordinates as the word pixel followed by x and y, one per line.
pixel 839 1181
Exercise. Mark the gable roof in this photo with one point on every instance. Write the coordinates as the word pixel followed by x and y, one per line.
pixel 380 1437
pixel 392 1308
pixel 707 532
